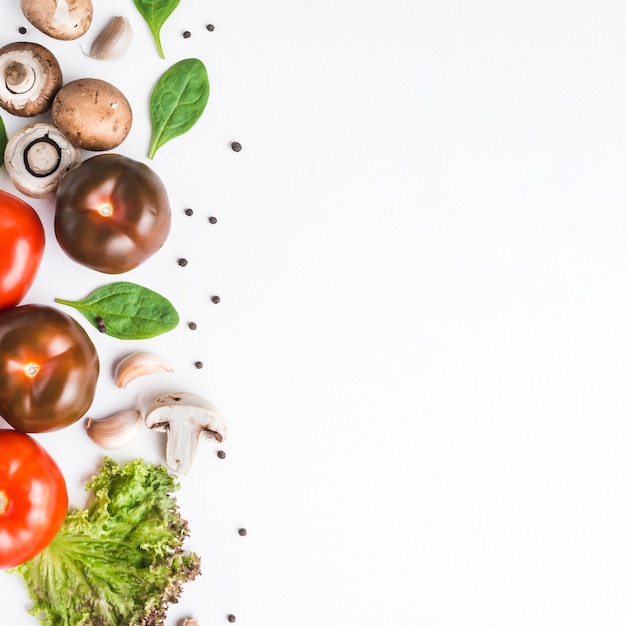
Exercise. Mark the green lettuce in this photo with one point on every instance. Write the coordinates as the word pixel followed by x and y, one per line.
pixel 120 560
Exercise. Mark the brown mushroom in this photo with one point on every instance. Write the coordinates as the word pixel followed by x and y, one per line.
pixel 60 19
pixel 30 77
pixel 92 113
pixel 37 157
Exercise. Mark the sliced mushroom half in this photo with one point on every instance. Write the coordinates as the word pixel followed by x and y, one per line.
pixel 186 418
pixel 37 157
pixel 30 77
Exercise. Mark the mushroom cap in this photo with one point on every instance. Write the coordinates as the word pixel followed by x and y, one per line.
pixel 92 113
pixel 37 157
pixel 60 19
pixel 186 417
pixel 30 77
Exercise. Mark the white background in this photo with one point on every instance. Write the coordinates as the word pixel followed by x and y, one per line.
pixel 421 257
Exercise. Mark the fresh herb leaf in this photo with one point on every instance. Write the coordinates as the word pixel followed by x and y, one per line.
pixel 119 561
pixel 3 140
pixel 155 13
pixel 177 101
pixel 127 311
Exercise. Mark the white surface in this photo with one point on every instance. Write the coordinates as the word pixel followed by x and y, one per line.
pixel 421 255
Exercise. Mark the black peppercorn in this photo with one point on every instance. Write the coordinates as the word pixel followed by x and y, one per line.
pixel 188 211
pixel 186 34
pixel 199 365
pixel 21 30
pixel 182 262
pixel 216 300
pixel 236 146
pixel 232 618
pixel 243 532
pixel 101 325
pixel 221 454
pixel 213 220
pixel 210 27
pixel 192 325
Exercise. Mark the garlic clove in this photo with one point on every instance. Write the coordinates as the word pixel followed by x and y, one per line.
pixel 139 364
pixel 116 431
pixel 113 41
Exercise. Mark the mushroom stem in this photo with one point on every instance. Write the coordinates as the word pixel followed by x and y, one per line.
pixel 42 157
pixel 182 443
pixel 19 78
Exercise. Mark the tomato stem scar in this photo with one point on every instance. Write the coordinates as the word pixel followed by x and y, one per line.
pixel 31 370
pixel 106 209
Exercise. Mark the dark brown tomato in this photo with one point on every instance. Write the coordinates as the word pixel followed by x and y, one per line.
pixel 112 213
pixel 48 368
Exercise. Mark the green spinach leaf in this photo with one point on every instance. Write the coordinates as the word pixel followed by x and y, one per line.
pixel 127 311
pixel 177 101
pixel 155 13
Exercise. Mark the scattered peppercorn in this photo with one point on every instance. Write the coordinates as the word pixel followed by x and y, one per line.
pixel 188 211
pixel 21 30
pixel 236 146
pixel 243 532
pixel 210 27
pixel 199 365
pixel 213 220
pixel 216 300
pixel 221 454
pixel 182 262
pixel 232 618
pixel 101 325
pixel 186 34
pixel 192 325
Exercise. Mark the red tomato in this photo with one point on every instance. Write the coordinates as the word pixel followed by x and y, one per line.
pixel 33 498
pixel 22 242
pixel 48 368
pixel 112 213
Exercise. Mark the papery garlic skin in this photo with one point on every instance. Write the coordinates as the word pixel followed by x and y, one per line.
pixel 113 41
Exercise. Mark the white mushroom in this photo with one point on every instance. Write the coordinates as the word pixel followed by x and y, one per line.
pixel 186 417
pixel 37 157
pixel 30 77
pixel 60 19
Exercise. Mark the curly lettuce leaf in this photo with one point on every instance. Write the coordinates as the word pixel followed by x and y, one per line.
pixel 119 561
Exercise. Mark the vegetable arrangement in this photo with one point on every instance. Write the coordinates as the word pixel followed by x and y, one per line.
pixel 121 560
